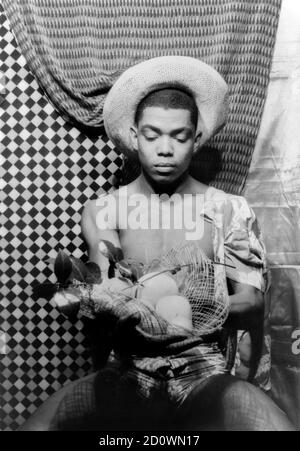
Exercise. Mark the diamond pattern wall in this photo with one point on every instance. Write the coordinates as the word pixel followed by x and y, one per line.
pixel 49 169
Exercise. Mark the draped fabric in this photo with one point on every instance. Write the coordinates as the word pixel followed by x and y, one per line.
pixel 77 50
pixel 273 190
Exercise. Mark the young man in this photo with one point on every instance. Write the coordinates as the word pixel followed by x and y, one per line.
pixel 163 111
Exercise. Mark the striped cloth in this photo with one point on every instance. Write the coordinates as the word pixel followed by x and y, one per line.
pixel 139 329
pixel 153 365
pixel 76 50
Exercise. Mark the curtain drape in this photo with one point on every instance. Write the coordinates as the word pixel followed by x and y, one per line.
pixel 273 189
pixel 77 49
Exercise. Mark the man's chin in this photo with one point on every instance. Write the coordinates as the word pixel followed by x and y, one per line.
pixel 165 179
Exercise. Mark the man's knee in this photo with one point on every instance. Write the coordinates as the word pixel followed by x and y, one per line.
pixel 240 392
pixel 42 418
pixel 45 416
pixel 246 407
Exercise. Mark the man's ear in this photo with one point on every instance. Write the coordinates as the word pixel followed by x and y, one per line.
pixel 134 138
pixel 197 142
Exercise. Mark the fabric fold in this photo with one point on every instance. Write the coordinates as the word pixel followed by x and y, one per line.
pixel 77 51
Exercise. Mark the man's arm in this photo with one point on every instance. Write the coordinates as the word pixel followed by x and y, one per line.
pixel 93 234
pixel 99 331
pixel 247 307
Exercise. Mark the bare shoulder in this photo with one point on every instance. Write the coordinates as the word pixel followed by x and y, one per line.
pixel 88 220
pixel 90 211
pixel 94 206
pixel 91 219
pixel 99 219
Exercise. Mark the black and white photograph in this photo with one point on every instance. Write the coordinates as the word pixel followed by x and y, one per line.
pixel 150 218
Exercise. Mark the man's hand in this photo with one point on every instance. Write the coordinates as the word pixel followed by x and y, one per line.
pixel 129 338
pixel 136 328
pixel 247 307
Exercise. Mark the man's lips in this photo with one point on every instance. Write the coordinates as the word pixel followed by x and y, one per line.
pixel 164 168
pixel 164 165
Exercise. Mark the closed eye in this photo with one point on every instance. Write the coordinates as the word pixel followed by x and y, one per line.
pixel 151 138
pixel 181 138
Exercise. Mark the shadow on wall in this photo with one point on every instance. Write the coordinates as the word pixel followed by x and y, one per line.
pixel 206 165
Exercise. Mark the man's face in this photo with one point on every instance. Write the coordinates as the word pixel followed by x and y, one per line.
pixel 165 141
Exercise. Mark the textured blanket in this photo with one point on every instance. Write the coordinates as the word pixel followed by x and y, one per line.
pixel 77 50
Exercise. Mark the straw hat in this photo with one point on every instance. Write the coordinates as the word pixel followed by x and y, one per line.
pixel 200 80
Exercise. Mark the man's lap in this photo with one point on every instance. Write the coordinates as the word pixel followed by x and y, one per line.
pixel 109 400
pixel 220 402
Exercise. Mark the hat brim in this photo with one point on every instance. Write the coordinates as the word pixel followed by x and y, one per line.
pixel 204 83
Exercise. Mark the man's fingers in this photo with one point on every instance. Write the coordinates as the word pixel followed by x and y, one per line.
pixel 129 321
pixel 165 339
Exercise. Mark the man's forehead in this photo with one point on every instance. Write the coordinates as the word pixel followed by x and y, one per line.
pixel 158 113
pixel 166 120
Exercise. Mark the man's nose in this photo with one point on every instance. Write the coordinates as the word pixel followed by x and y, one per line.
pixel 165 147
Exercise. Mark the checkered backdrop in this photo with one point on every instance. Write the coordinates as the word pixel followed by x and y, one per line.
pixel 49 170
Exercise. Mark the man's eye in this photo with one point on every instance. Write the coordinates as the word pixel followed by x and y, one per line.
pixel 150 138
pixel 181 139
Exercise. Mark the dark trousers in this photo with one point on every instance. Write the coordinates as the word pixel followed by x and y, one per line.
pixel 222 402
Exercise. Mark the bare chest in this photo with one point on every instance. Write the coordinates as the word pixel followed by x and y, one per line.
pixel 146 245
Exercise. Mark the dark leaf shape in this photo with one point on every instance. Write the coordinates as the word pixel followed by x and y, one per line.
pixel 137 268
pixel 62 267
pixel 114 254
pixel 107 249
pixel 137 271
pixel 44 290
pixel 93 273
pixel 79 271
pixel 124 269
pixel 111 270
pixel 118 254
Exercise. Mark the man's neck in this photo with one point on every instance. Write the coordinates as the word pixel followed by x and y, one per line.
pixel 181 186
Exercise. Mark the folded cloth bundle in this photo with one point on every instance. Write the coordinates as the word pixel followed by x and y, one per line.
pixel 138 329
